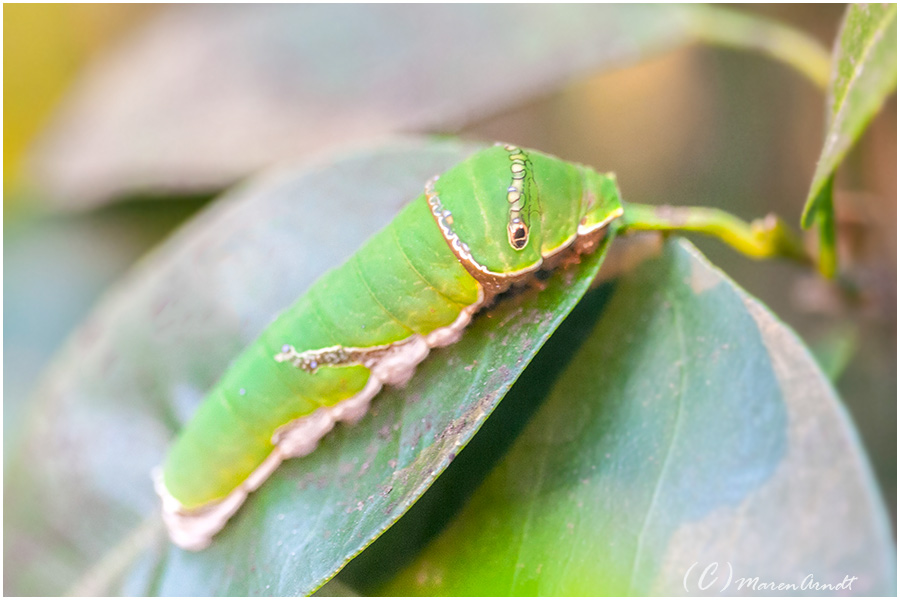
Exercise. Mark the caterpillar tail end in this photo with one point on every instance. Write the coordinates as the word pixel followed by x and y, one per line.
pixel 194 529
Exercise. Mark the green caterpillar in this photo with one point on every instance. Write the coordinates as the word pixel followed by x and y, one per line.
pixel 489 222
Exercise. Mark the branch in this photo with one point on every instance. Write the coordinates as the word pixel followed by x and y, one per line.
pixel 764 238
pixel 723 27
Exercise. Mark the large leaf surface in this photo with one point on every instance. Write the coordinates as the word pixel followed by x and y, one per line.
pixel 691 428
pixel 80 513
pixel 207 94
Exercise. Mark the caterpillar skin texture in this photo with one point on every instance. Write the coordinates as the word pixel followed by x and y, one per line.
pixel 487 223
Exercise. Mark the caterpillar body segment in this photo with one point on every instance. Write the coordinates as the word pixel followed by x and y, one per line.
pixel 485 224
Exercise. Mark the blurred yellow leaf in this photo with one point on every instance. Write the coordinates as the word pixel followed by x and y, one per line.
pixel 44 45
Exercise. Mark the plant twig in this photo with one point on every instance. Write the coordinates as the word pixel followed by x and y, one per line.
pixel 724 27
pixel 764 238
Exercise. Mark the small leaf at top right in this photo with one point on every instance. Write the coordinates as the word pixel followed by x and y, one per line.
pixel 864 73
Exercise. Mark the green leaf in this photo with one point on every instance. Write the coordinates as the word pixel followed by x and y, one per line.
pixel 864 73
pixel 54 272
pixel 690 428
pixel 292 80
pixel 83 516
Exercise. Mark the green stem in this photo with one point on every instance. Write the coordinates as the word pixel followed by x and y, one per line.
pixel 824 219
pixel 763 238
pixel 723 27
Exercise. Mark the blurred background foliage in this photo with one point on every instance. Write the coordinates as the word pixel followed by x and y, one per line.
pixel 45 46
pixel 697 125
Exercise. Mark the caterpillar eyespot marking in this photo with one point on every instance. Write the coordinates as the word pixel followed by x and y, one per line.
pixel 493 220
